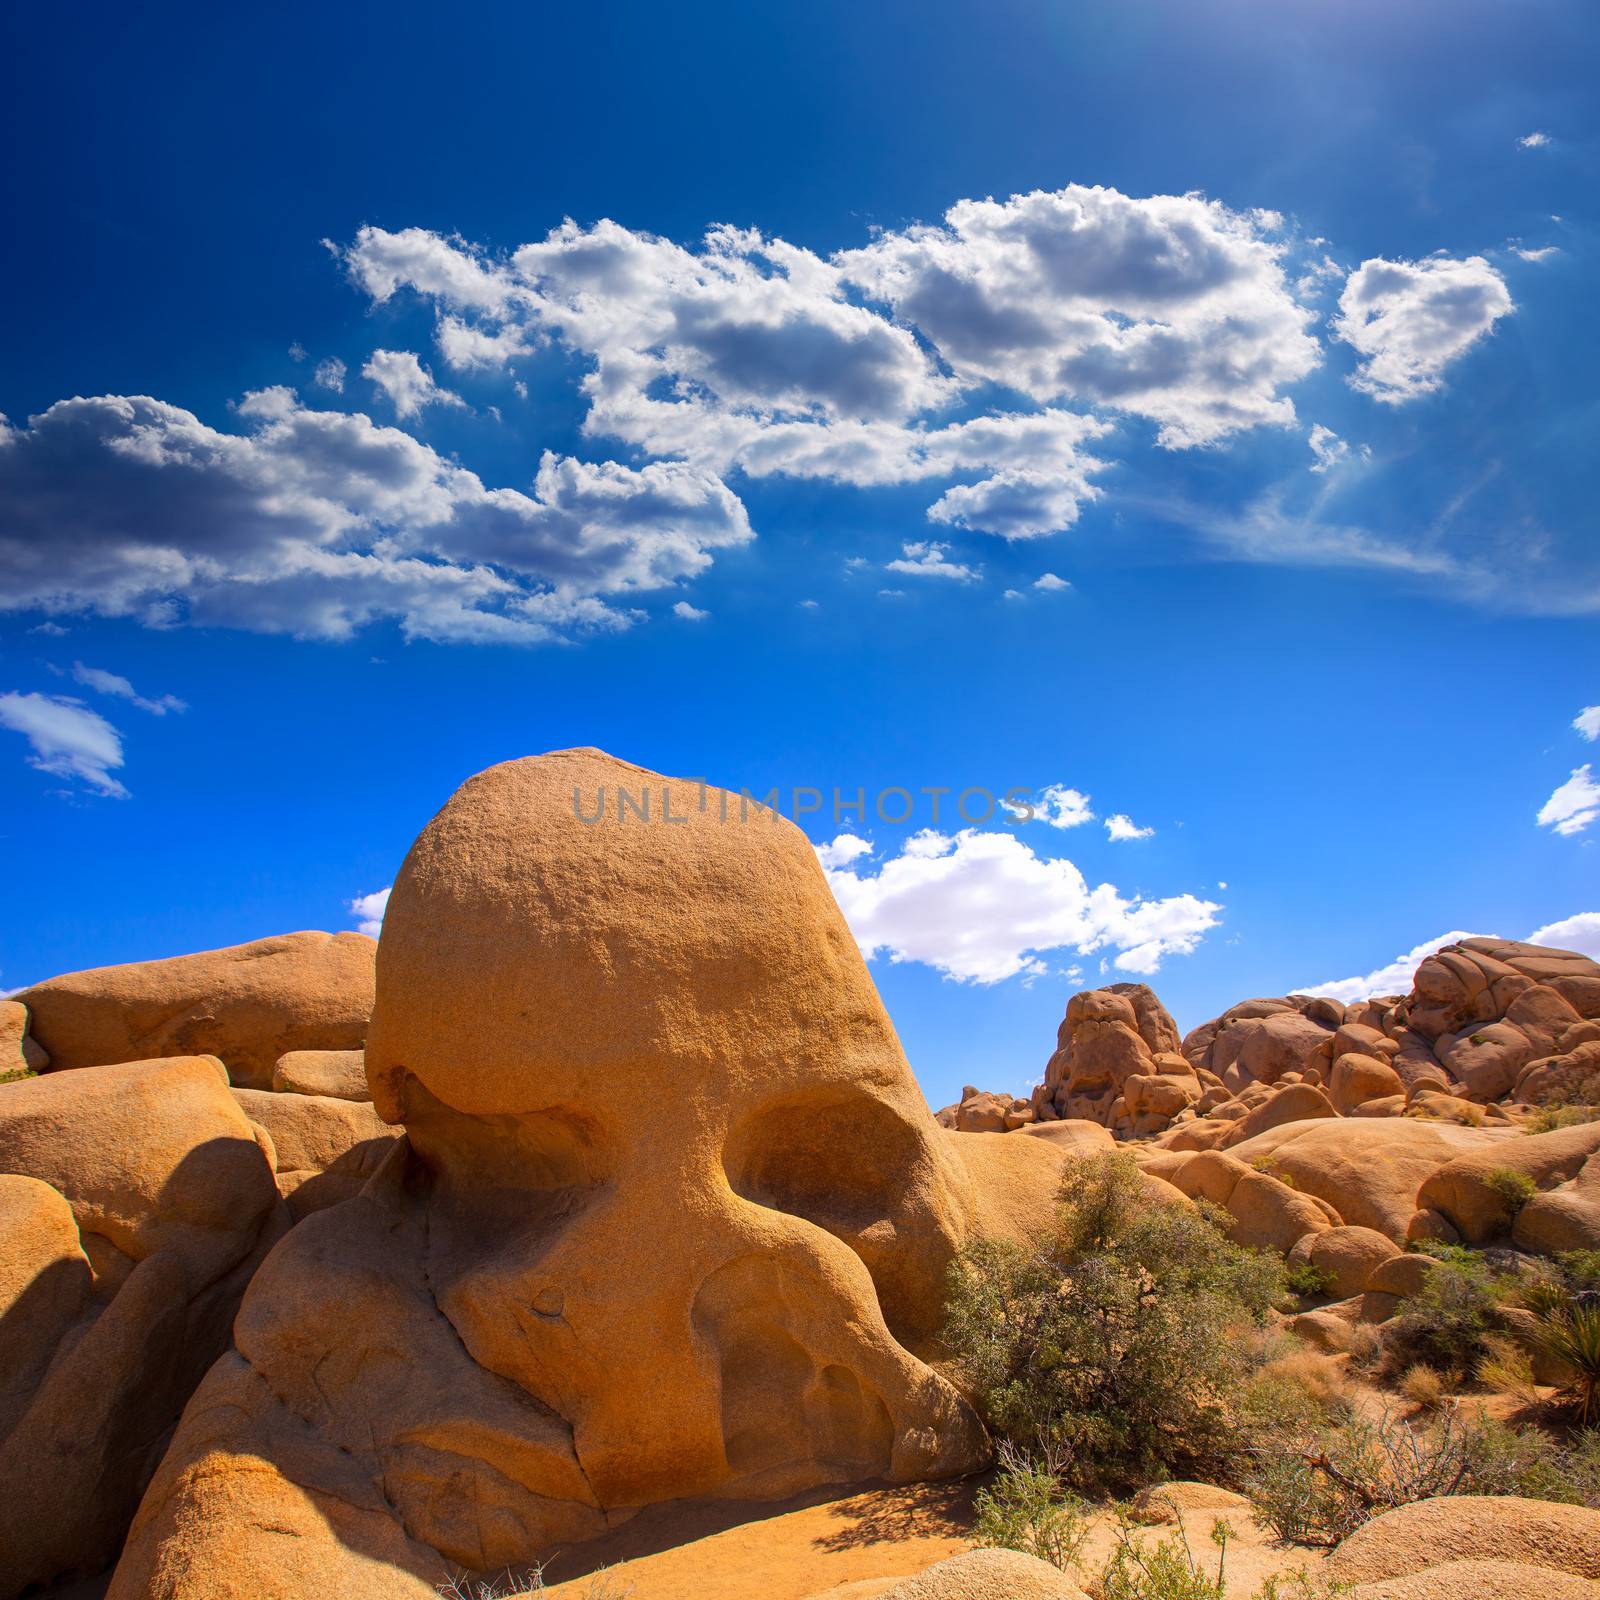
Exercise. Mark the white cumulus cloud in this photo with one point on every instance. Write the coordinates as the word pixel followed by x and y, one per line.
pixel 368 910
pixel 929 559
pixel 1408 320
pixel 1122 826
pixel 330 374
pixel 316 523
pixel 68 740
pixel 1331 451
pixel 981 907
pixel 689 613
pixel 841 851
pixel 408 384
pixel 1587 722
pixel 1534 140
pixel 1050 583
pixel 1580 933
pixel 1574 806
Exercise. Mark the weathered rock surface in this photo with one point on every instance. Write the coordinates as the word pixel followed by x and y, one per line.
pixel 19 1050
pixel 137 1201
pixel 987 1575
pixel 1462 1531
pixel 247 1005
pixel 1368 1169
pixel 338 1074
pixel 324 1149
pixel 1466 1190
pixel 670 1220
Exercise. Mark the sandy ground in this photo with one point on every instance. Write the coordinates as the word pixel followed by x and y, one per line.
pixel 857 1542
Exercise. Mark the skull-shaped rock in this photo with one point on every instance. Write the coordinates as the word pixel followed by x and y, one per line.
pixel 671 1218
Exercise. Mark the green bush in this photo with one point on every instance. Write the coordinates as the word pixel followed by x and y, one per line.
pixel 1513 1189
pixel 1567 1110
pixel 1308 1281
pixel 1165 1569
pixel 1025 1509
pixel 1447 1323
pixel 1112 1346
pixel 1581 1270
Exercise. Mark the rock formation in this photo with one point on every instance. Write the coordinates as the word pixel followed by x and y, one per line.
pixel 136 1203
pixel 1491 1029
pixel 20 1052
pixel 247 1005
pixel 1117 1062
pixel 670 1219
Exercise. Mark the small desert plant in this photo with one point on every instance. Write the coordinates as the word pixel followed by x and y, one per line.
pixel 1026 1509
pixel 1581 1270
pixel 17 1074
pixel 1268 1167
pixel 602 1586
pixel 1534 1464
pixel 1445 1324
pixel 1572 1337
pixel 1295 1385
pixel 1424 1387
pixel 1568 1109
pixel 1307 1280
pixel 1511 1188
pixel 1548 1118
pixel 1505 1366
pixel 1319 1488
pixel 1113 1343
pixel 1367 1348
pixel 1145 1569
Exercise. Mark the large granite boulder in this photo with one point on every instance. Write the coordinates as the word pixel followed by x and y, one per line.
pixel 247 1005
pixel 137 1201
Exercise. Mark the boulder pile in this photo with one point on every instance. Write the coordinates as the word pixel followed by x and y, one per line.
pixel 1491 1030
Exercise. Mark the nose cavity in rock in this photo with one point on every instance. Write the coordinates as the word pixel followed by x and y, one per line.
pixel 853 1166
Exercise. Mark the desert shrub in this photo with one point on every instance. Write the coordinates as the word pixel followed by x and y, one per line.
pixel 1268 1167
pixel 17 1074
pixel 1572 1336
pixel 509 1586
pixel 1511 1188
pixel 1368 1351
pixel 1580 1270
pixel 1026 1509
pixel 1547 1119
pixel 1424 1387
pixel 1505 1366
pixel 1320 1487
pixel 1568 1109
pixel 1308 1280
pixel 1446 1324
pixel 1142 1568
pixel 1531 1463
pixel 1294 1386
pixel 1112 1344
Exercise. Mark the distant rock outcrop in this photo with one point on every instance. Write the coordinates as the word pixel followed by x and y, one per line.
pixel 247 1005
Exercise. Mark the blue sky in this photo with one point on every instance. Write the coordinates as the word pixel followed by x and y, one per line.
pixel 402 391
